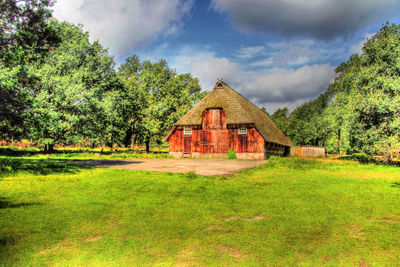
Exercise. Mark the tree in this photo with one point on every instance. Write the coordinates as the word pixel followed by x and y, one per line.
pixel 377 106
pixel 131 67
pixel 77 94
pixel 281 119
pixel 306 126
pixel 338 115
pixel 363 113
pixel 162 97
pixel 25 36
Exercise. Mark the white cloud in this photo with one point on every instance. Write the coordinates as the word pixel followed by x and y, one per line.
pixel 290 54
pixel 289 85
pixel 250 52
pixel 270 88
pixel 322 19
pixel 125 24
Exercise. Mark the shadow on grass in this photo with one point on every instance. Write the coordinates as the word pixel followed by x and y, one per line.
pixel 396 184
pixel 93 163
pixel 13 165
pixel 31 151
pixel 7 241
pixel 5 204
pixel 365 159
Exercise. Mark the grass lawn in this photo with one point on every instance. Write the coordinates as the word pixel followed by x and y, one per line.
pixel 288 212
pixel 83 153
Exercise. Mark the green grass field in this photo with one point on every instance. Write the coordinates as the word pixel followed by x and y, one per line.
pixel 288 212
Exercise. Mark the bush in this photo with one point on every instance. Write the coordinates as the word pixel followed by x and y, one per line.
pixel 360 157
pixel 231 154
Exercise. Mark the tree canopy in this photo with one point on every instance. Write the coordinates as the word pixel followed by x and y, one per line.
pixel 162 97
pixel 25 36
pixel 360 111
pixel 58 87
pixel 75 96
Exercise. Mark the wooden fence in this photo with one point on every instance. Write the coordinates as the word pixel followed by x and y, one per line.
pixel 308 151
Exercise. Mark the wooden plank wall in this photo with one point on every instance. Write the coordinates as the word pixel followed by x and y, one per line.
pixel 308 151
pixel 215 138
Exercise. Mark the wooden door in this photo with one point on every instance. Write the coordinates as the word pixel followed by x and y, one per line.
pixel 223 142
pixel 187 144
pixel 205 141
pixel 242 143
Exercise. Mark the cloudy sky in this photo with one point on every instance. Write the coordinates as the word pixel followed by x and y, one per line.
pixel 276 53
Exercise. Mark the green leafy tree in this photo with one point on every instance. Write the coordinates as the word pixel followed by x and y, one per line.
pixel 364 107
pixel 162 97
pixel 281 119
pixel 133 98
pixel 77 94
pixel 306 126
pixel 377 106
pixel 25 36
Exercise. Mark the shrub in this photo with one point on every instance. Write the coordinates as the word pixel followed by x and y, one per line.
pixel 231 154
pixel 190 175
pixel 362 158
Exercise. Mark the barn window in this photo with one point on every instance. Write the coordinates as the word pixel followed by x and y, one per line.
pixel 187 131
pixel 242 131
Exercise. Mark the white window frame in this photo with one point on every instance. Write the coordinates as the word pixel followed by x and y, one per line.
pixel 187 131
pixel 242 131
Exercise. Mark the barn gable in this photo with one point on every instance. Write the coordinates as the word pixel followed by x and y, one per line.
pixel 238 111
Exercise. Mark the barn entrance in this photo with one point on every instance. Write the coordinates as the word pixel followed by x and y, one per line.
pixel 205 141
pixel 187 144
pixel 242 143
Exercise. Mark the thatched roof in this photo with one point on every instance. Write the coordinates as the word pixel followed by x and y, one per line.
pixel 238 110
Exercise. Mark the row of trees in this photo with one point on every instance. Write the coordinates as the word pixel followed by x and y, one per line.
pixel 59 87
pixel 360 111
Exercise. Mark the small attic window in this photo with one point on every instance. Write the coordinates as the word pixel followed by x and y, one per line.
pixel 242 131
pixel 187 131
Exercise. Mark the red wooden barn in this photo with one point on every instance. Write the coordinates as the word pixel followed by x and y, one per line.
pixel 224 120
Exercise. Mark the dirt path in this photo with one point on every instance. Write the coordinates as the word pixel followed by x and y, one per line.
pixel 203 167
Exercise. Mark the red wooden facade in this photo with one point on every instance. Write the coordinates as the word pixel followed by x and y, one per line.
pixel 216 137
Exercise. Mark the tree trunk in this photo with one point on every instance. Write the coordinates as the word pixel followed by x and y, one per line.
pixel 128 138
pixel 51 149
pixel 148 145
pixel 339 142
pixel 45 149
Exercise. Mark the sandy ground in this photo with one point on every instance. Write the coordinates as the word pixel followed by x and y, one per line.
pixel 203 167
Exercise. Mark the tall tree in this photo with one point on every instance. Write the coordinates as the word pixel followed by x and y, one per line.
pixel 305 123
pixel 281 119
pixel 163 96
pixel 363 108
pixel 377 109
pixel 25 36
pixel 77 94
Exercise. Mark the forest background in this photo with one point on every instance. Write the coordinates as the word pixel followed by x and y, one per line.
pixel 59 88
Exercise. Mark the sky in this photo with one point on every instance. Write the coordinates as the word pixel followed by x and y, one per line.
pixel 276 53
